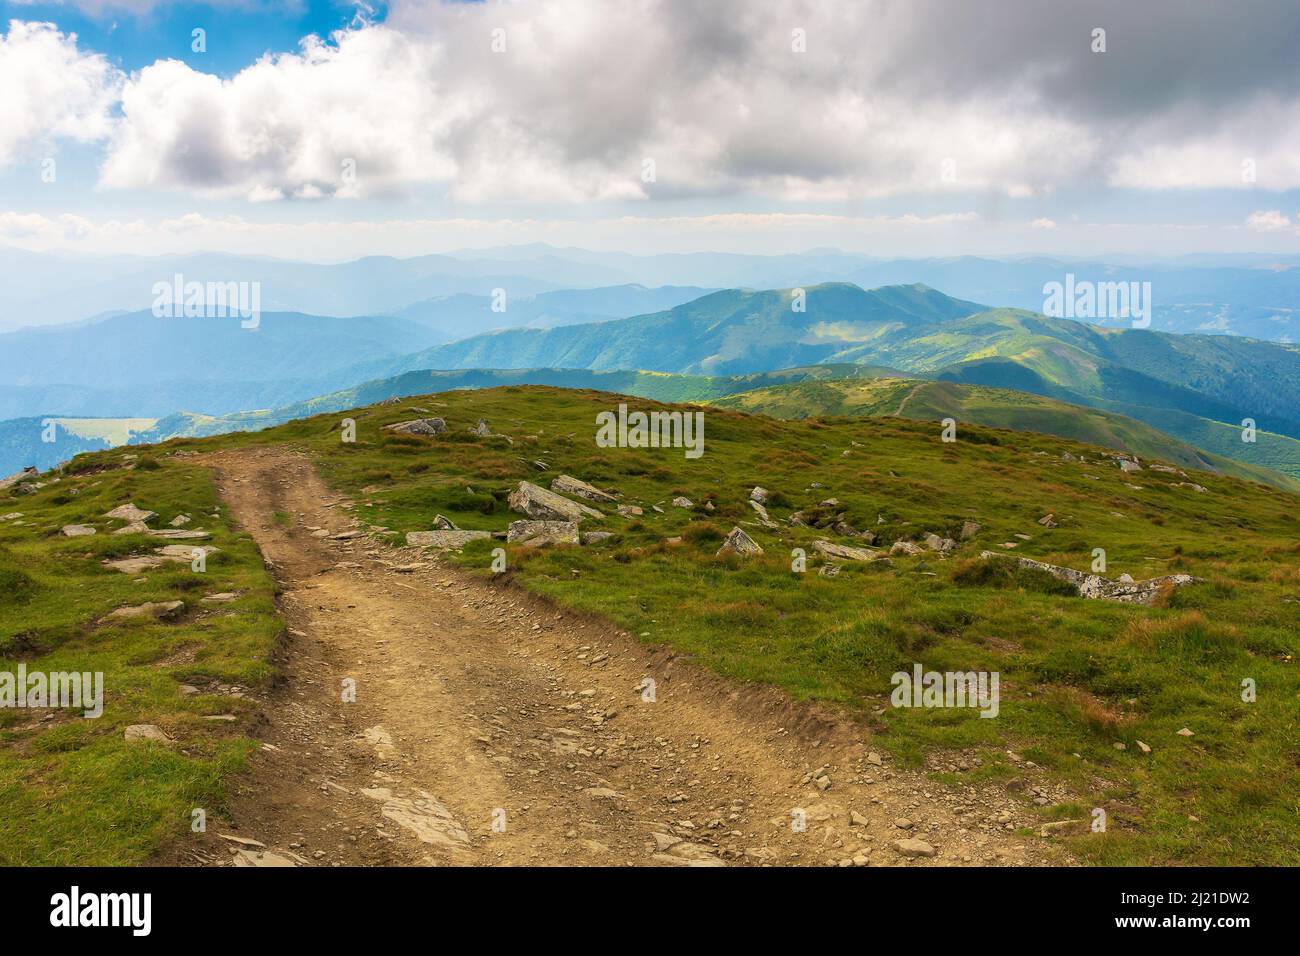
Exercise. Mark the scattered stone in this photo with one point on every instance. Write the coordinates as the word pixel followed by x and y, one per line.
pixel 536 502
pixel 1048 521
pixel 135 527
pixel 596 537
pixel 179 521
pixel 1127 465
pixel 242 841
pixel 26 474
pixel 971 528
pixel 159 610
pixel 1185 732
pixel 682 502
pixel 535 534
pixel 913 847
pixel 176 534
pixel 832 550
pixel 1145 748
pixel 906 547
pixel 763 517
pixel 145 732
pixel 630 511
pixel 130 513
pixel 444 539
pixel 738 542
pixel 1094 586
pixel 220 598
pixel 1193 485
pixel 759 494
pixel 76 530
pixel 568 485
pixel 427 427
pixel 481 429
pixel 936 543
pixel 444 524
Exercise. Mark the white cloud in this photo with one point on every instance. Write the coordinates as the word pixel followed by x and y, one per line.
pixel 51 91
pixel 1042 223
pixel 1272 220
pixel 583 94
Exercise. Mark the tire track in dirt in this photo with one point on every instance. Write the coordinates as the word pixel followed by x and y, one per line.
pixel 491 728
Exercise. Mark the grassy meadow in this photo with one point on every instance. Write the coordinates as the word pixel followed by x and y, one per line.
pixel 1077 676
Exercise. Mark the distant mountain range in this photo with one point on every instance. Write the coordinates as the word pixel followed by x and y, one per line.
pixel 1196 388
pixel 1251 295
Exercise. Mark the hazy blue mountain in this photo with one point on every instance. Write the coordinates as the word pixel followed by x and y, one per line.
pixel 40 290
pixel 729 332
pixel 140 348
pixel 460 316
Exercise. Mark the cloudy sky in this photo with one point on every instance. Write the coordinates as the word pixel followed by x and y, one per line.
pixel 328 130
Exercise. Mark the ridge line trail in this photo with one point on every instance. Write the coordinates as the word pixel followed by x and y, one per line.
pixel 473 698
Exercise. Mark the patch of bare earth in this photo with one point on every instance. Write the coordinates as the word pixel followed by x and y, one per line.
pixel 490 728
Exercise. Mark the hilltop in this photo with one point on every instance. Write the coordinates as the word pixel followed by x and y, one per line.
pixel 911 517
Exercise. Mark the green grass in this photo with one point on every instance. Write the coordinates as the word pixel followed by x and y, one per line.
pixel 72 790
pixel 1076 676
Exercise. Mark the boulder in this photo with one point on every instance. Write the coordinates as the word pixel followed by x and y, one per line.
pixel 158 610
pixel 184 552
pixel 763 518
pixel 536 502
pixel 1095 587
pixel 936 543
pixel 568 485
pixel 759 494
pixel 913 847
pixel 444 539
pixel 535 534
pixel 832 550
pixel 419 426
pixel 76 530
pixel 906 547
pixel 135 527
pixel 130 513
pixel 25 475
pixel 178 534
pixel 630 511
pixel 1048 521
pixel 971 528
pixel 1126 465
pixel 738 542
pixel 596 537
pixel 146 732
pixel 481 429
pixel 683 502
pixel 444 524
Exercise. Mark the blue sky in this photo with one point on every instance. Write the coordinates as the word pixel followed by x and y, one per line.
pixel 650 125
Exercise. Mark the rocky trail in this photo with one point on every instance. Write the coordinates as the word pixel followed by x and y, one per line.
pixel 491 728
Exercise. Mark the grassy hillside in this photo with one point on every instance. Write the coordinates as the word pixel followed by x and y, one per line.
pixel 735 331
pixel 73 791
pixel 1001 408
pixel 1078 676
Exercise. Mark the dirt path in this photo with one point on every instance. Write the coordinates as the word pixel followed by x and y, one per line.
pixel 489 728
